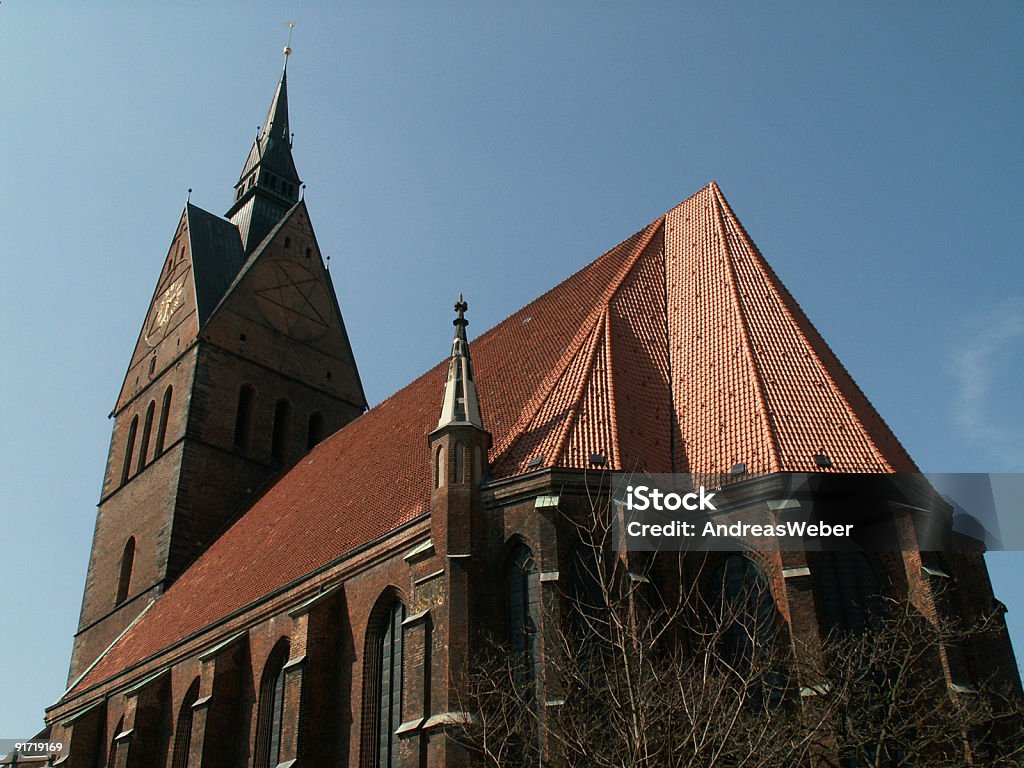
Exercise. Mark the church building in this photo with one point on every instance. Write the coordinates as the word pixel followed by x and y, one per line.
pixel 282 576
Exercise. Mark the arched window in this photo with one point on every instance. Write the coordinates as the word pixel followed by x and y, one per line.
pixel 588 604
pixel 271 708
pixel 183 731
pixel 439 466
pixel 315 432
pixel 244 418
pixel 147 430
pixel 383 702
pixel 112 754
pixel 746 613
pixel 129 449
pixel 848 588
pixel 165 412
pixel 282 425
pixel 460 465
pixel 522 587
pixel 124 579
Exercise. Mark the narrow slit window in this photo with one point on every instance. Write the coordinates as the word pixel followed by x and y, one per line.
pixel 270 719
pixel 244 418
pixel 124 579
pixel 315 432
pixel 165 412
pixel 282 426
pixel 147 431
pixel 129 450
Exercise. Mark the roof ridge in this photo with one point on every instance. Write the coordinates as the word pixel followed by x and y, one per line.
pixel 823 355
pixel 599 332
pixel 252 257
pixel 616 459
pixel 586 328
pixel 774 460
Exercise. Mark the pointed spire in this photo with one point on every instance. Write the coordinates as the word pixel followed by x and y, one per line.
pixel 269 173
pixel 461 405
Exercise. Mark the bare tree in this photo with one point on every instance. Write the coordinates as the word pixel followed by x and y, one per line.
pixel 706 675
pixel 888 698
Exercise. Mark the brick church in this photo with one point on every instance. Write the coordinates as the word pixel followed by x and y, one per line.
pixel 281 576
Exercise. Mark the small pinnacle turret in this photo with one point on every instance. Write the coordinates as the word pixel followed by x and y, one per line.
pixel 461 404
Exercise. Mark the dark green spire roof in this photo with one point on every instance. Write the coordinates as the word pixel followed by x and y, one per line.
pixel 269 184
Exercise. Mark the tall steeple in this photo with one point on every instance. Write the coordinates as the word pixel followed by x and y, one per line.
pixel 461 405
pixel 269 184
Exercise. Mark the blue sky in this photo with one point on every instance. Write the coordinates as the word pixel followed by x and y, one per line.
pixel 873 151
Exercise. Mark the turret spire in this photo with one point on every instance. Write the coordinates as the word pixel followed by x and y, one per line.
pixel 269 184
pixel 461 405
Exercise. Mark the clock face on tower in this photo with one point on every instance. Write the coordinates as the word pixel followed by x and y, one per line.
pixel 166 304
pixel 292 299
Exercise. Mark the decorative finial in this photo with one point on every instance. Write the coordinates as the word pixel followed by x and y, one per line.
pixel 188 199
pixel 302 192
pixel 460 307
pixel 461 404
pixel 288 45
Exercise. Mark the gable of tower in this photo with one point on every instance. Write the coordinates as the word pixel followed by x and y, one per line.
pixel 203 260
pixel 171 321
pixel 281 311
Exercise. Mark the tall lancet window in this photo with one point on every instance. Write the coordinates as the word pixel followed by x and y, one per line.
pixel 315 431
pixel 383 704
pixel 147 431
pixel 439 466
pixel 270 719
pixel 183 730
pixel 282 426
pixel 129 449
pixel 165 412
pixel 522 585
pixel 124 578
pixel 244 418
pixel 848 591
pixel 112 752
pixel 746 615
pixel 460 464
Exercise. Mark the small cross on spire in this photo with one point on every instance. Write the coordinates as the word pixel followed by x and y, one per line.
pixel 460 307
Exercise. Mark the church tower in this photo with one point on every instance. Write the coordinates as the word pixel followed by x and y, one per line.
pixel 242 365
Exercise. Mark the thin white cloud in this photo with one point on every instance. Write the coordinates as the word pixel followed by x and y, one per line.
pixel 984 381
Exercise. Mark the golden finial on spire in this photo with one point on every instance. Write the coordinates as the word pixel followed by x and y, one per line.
pixel 288 45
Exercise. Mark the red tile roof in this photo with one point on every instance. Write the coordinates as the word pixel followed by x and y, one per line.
pixel 678 350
